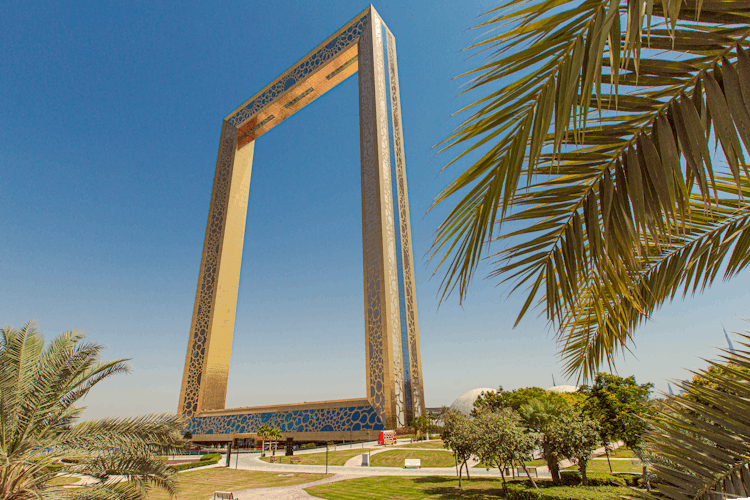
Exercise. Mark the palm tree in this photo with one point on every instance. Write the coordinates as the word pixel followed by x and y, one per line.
pixel 262 432
pixel 540 416
pixel 39 388
pixel 274 434
pixel 700 441
pixel 593 130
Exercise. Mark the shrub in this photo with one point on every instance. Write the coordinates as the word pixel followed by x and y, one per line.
pixel 308 445
pixel 211 456
pixel 573 478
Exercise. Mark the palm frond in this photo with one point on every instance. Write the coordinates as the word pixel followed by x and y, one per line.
pixel 605 198
pixel 38 423
pixel 703 436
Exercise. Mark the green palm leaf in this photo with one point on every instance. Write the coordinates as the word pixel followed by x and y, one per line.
pixel 703 436
pixel 610 204
pixel 39 389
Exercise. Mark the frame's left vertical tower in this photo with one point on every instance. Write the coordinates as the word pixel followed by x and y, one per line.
pixel 204 381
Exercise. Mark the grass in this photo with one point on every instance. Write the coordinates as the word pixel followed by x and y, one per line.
pixel 62 481
pixel 334 457
pixel 530 463
pixel 620 453
pixel 617 466
pixel 413 488
pixel 201 484
pixel 433 443
pixel 395 458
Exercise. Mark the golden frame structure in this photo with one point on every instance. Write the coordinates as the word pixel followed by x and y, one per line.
pixel 393 361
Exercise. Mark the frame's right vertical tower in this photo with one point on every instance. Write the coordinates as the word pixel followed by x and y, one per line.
pixel 394 366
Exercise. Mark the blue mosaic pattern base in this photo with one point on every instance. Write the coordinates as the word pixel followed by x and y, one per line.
pixel 352 418
pixel 304 68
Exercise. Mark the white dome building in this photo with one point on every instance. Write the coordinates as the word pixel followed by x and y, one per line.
pixel 563 388
pixel 465 402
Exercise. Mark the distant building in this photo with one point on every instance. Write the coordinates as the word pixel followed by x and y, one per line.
pixel 465 402
pixel 563 388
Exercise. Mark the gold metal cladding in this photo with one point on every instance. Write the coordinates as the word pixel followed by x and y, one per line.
pixel 415 356
pixel 278 110
pixel 358 46
pixel 382 324
pixel 310 71
pixel 204 383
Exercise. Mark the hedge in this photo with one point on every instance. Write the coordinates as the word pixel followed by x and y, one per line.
pixel 548 492
pixel 208 459
pixel 573 478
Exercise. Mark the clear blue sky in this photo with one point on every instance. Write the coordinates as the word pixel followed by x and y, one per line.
pixel 110 114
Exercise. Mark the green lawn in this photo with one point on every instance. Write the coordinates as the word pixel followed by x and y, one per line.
pixel 62 481
pixel 334 457
pixel 395 458
pixel 201 484
pixel 620 453
pixel 617 466
pixel 433 443
pixel 435 488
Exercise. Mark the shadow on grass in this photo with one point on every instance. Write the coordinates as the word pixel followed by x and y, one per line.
pixel 434 479
pixel 450 493
pixel 475 489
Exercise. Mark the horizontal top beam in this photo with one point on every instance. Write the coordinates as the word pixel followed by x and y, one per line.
pixel 323 68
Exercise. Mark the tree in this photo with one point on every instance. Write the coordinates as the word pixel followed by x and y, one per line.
pixel 617 210
pixel 263 433
pixel 39 387
pixel 517 398
pixel 620 405
pixel 421 424
pixel 460 436
pixel 575 436
pixel 502 440
pixel 276 435
pixel 540 415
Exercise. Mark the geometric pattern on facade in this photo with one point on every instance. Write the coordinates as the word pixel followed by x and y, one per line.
pixel 346 419
pixel 393 358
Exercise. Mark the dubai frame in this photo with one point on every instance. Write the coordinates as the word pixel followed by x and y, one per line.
pixel 393 364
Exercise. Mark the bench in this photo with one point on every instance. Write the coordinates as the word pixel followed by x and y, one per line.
pixel 531 470
pixel 294 460
pixel 412 463
pixel 223 495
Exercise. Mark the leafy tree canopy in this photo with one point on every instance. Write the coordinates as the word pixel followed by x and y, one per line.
pixel 619 404
pixel 502 440
pixel 515 399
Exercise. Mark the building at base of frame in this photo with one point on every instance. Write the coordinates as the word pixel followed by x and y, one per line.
pixel 341 420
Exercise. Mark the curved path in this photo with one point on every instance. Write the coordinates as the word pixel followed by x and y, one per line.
pixel 350 470
pixel 296 492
